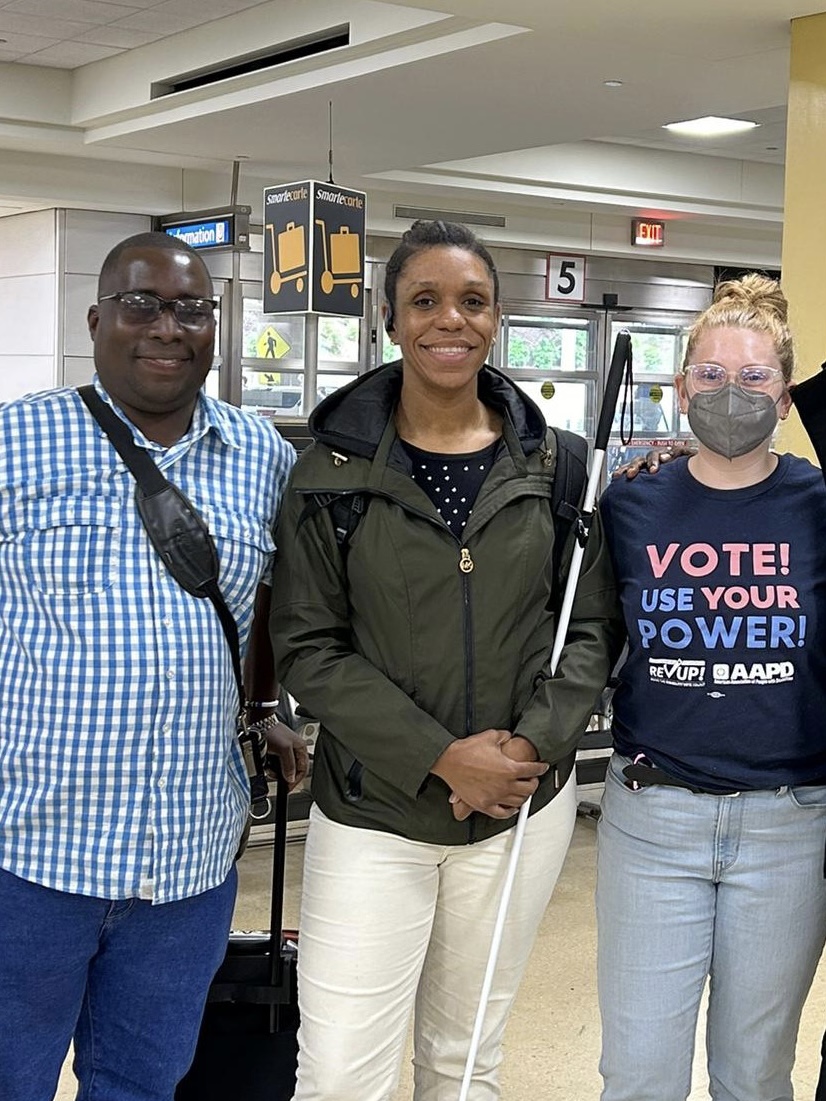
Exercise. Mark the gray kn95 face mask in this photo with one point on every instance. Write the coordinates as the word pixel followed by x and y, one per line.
pixel 731 422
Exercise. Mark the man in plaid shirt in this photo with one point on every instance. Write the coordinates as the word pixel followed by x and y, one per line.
pixel 122 789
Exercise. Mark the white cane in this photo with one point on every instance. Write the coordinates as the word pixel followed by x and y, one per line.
pixel 622 347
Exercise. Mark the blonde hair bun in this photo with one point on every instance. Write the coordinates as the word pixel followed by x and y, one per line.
pixel 753 302
pixel 753 292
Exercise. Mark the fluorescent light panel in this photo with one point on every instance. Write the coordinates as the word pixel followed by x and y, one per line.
pixel 710 127
pixel 411 213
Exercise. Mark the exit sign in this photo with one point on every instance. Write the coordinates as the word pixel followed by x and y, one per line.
pixel 646 233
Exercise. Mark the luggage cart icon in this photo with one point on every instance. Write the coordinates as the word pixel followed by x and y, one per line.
pixel 343 258
pixel 291 254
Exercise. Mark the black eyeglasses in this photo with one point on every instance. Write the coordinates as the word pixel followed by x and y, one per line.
pixel 143 307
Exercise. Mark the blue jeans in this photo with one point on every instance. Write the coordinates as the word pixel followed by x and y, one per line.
pixel 690 886
pixel 126 979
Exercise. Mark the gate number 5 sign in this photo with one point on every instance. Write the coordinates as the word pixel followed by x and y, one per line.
pixel 565 281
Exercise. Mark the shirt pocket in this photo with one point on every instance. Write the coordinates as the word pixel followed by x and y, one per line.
pixel 245 550
pixel 71 545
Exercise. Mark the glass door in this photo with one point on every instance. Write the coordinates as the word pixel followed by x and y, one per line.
pixel 289 362
pixel 658 345
pixel 554 359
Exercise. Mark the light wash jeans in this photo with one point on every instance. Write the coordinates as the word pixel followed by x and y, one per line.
pixel 689 886
pixel 387 922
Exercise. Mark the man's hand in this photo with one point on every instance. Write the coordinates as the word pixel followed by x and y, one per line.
pixel 650 462
pixel 482 777
pixel 291 752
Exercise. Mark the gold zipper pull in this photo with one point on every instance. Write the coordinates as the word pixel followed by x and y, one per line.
pixel 465 562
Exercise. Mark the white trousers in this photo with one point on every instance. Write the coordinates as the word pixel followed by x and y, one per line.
pixel 388 923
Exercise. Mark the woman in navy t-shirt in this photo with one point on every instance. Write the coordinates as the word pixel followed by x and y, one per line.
pixel 711 844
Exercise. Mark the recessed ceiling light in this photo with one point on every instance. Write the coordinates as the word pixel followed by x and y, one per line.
pixel 612 83
pixel 710 127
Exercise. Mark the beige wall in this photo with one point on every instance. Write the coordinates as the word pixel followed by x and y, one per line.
pixel 804 227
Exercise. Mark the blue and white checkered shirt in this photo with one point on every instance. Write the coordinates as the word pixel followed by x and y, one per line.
pixel 120 772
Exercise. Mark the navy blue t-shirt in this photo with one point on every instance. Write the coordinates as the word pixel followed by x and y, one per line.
pixel 724 596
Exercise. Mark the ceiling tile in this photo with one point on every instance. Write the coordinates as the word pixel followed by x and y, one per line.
pixel 148 21
pixel 30 24
pixel 26 43
pixel 124 37
pixel 85 11
pixel 70 55
pixel 204 10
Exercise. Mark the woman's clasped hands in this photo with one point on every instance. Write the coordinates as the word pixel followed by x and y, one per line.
pixel 493 772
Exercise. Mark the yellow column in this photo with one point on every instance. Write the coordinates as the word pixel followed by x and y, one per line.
pixel 804 221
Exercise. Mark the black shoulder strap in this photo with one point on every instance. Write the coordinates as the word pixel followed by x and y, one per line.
pixel 346 511
pixel 185 545
pixel 570 478
pixel 173 525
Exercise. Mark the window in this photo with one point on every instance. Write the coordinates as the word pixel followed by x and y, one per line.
pixel 272 362
pixel 658 350
pixel 552 360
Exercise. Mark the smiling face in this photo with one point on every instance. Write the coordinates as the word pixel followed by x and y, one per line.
pixel 153 370
pixel 445 318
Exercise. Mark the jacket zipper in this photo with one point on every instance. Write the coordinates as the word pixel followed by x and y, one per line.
pixel 466 566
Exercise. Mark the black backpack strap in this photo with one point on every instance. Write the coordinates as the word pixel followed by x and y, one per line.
pixel 346 511
pixel 570 478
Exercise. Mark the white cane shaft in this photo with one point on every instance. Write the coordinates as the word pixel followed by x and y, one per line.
pixel 496 940
pixel 567 605
pixel 575 567
pixel 519 830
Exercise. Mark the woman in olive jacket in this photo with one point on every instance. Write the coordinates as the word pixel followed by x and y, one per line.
pixel 419 634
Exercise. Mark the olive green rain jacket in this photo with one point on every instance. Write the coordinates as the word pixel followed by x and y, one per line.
pixel 410 636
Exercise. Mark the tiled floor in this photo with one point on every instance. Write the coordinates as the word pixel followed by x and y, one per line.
pixel 552 1042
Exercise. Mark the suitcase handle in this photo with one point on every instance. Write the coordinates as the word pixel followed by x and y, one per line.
pixel 279 861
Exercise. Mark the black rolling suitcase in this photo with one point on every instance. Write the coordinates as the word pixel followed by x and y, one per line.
pixel 247 1045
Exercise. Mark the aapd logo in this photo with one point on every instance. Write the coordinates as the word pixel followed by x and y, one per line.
pixel 759 672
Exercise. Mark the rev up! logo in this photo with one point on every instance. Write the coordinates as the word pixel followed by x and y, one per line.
pixel 681 672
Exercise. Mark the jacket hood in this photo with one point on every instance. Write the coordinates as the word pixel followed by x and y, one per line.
pixel 354 418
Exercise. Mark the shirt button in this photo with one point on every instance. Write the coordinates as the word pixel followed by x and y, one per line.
pixel 166 729
pixel 167 622
pixel 170 674
pixel 162 783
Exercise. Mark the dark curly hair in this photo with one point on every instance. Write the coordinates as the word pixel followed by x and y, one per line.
pixel 424 235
